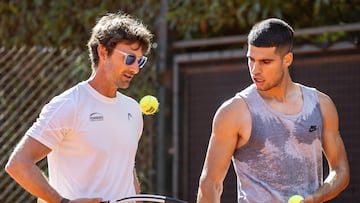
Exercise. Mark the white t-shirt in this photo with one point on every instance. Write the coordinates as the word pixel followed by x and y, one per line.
pixel 93 139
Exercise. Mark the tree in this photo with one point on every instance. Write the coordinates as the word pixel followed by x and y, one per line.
pixel 213 18
pixel 68 23
pixel 61 23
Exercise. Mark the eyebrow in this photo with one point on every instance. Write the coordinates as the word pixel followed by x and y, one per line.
pixel 263 59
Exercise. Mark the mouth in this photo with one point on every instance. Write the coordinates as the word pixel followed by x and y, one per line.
pixel 128 76
pixel 258 80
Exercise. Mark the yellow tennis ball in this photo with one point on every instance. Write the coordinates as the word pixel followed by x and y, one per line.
pixel 149 105
pixel 295 199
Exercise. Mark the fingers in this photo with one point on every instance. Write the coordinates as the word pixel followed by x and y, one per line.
pixel 86 200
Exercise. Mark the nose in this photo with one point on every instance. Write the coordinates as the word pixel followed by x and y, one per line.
pixel 134 68
pixel 253 67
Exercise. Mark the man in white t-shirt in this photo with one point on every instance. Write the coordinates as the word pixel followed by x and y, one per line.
pixel 90 133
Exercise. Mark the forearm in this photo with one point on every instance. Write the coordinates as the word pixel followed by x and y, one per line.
pixel 30 177
pixel 209 192
pixel 335 182
pixel 136 183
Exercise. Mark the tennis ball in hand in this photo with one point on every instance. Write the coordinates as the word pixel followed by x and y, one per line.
pixel 149 105
pixel 295 199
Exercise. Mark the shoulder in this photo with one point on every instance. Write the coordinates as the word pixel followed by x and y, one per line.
pixel 324 99
pixel 64 102
pixel 233 103
pixel 232 111
pixel 327 107
pixel 233 120
pixel 69 94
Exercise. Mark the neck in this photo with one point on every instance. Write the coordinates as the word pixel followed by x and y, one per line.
pixel 99 84
pixel 281 92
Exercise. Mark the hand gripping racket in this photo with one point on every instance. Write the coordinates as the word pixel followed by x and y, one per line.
pixel 147 198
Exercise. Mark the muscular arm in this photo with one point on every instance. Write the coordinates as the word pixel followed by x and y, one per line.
pixel 22 167
pixel 223 142
pixel 334 150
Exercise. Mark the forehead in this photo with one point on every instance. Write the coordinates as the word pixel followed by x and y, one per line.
pixel 135 46
pixel 261 52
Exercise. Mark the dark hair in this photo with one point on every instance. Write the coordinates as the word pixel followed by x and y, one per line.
pixel 272 32
pixel 117 27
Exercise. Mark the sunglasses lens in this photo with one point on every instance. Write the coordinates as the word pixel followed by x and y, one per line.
pixel 142 61
pixel 130 59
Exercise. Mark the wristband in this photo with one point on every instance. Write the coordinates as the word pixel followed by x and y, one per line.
pixel 64 200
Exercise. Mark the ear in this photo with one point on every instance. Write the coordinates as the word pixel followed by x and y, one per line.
pixel 102 52
pixel 288 59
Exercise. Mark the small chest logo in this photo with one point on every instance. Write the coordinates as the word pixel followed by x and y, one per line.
pixel 96 117
pixel 312 128
pixel 129 116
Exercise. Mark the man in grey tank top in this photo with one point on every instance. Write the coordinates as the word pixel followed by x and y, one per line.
pixel 275 131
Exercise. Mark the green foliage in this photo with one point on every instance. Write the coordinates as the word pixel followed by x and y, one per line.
pixel 215 18
pixel 68 23
pixel 61 23
pixel 211 18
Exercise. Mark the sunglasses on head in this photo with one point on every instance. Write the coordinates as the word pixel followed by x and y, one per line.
pixel 131 58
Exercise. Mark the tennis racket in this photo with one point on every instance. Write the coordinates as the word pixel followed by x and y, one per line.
pixel 147 198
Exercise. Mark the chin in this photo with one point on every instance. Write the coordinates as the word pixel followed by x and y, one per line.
pixel 262 88
pixel 123 86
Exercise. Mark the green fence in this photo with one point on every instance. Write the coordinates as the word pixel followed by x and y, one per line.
pixel 29 78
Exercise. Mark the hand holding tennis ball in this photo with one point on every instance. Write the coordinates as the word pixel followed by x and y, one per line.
pixel 149 105
pixel 295 199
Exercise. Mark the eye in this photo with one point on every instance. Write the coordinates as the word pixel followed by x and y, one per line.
pixel 130 59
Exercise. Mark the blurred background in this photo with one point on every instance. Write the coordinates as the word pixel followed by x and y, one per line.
pixel 197 62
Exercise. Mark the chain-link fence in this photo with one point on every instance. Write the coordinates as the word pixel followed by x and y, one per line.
pixel 29 78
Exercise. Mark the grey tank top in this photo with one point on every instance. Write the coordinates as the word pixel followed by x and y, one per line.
pixel 283 156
